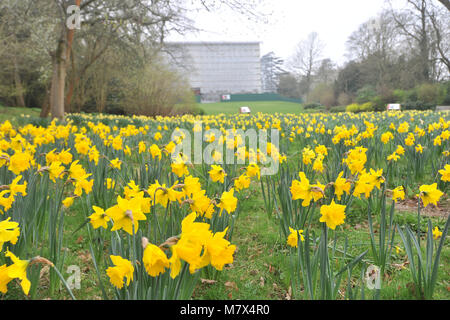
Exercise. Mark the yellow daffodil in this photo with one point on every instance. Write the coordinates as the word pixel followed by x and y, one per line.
pixel 116 163
pixel 9 232
pixel 126 214
pixel 333 215
pixel 228 201
pixel 436 233
pixel 217 173
pixel 19 270
pixel 155 260
pixel 292 239
pixel 398 194
pixel 445 173
pixel 122 269
pixel 430 194
pixel 99 218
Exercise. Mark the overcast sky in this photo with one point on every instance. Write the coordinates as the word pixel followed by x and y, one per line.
pixel 290 22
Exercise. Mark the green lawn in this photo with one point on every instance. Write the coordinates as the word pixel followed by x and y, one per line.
pixel 12 113
pixel 270 107
pixel 255 106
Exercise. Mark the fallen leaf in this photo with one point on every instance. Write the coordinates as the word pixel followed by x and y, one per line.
pixel 289 294
pixel 231 285
pixel 261 281
pixel 207 281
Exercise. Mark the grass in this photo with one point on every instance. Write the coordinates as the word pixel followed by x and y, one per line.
pixel 269 107
pixel 13 113
pixel 261 266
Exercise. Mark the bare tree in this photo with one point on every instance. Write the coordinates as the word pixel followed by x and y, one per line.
pixel 376 44
pixel 327 72
pixel 426 26
pixel 440 22
pixel 135 20
pixel 306 60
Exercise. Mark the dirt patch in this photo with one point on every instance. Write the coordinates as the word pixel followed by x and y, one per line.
pixel 410 205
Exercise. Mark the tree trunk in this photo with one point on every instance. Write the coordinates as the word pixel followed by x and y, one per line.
pixel 45 109
pixel 20 101
pixel 69 56
pixel 60 60
pixel 71 86
pixel 58 81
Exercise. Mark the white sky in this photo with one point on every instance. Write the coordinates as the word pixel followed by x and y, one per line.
pixel 290 22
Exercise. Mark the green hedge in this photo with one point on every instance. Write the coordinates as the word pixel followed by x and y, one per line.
pixel 260 97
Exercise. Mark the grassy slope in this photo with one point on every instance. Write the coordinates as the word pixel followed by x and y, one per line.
pixel 255 106
pixel 12 113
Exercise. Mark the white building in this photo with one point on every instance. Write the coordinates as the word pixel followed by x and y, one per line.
pixel 218 68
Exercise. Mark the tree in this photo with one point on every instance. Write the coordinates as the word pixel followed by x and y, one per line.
pixel 288 86
pixel 440 22
pixel 23 65
pixel 349 80
pixel 66 55
pixel 271 69
pixel 426 27
pixel 155 90
pixel 327 72
pixel 376 46
pixel 306 60
pixel 324 94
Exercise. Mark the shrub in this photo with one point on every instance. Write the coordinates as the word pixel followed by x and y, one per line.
pixel 444 94
pixel 365 94
pixel 338 109
pixel 156 90
pixel 410 95
pixel 313 105
pixel 344 99
pixel 378 104
pixel 418 105
pixel 368 106
pixel 197 111
pixel 399 96
pixel 428 93
pixel 354 107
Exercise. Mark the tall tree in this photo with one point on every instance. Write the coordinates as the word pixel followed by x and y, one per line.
pixel 326 72
pixel 375 45
pixel 271 69
pixel 306 60
pixel 426 27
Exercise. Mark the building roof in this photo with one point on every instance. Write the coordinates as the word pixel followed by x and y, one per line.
pixel 212 42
